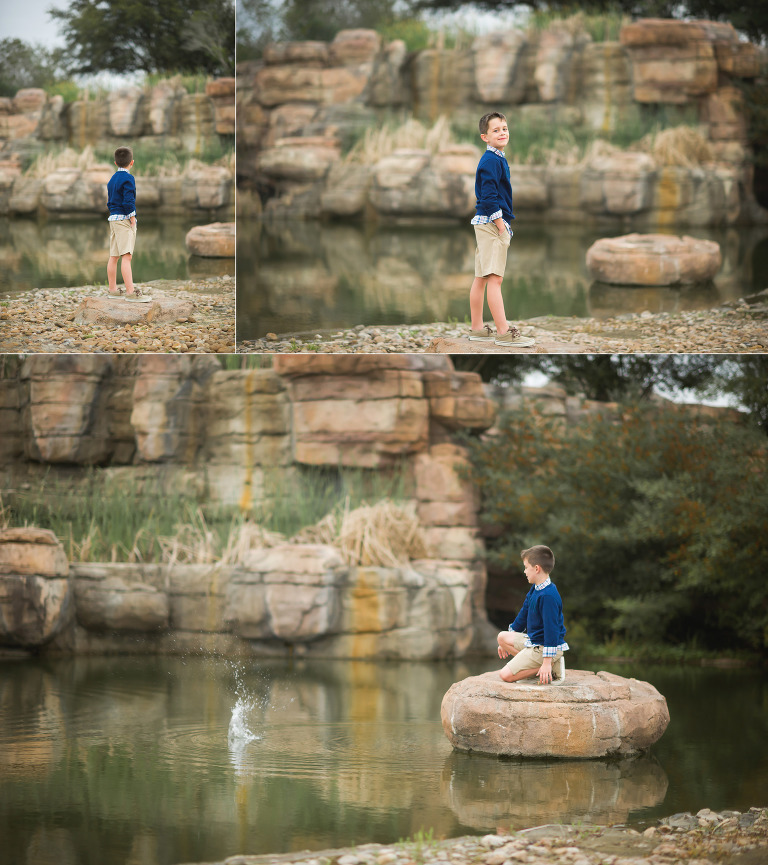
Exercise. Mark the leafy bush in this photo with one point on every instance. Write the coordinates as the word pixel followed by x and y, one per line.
pixel 657 520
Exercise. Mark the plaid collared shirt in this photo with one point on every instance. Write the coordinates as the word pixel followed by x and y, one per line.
pixel 115 217
pixel 548 651
pixel 482 220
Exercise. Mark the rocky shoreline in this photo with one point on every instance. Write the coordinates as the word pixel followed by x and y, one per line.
pixel 705 838
pixel 43 320
pixel 735 327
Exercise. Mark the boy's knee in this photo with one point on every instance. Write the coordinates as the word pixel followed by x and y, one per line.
pixel 506 676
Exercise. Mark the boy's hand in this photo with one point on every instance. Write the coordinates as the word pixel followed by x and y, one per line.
pixel 503 653
pixel 545 671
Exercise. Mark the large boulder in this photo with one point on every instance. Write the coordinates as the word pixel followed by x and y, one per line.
pixel 216 240
pixel 653 259
pixel 115 604
pixel 35 593
pixel 588 715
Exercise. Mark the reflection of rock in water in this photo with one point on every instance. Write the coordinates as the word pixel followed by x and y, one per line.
pixel 608 300
pixel 486 792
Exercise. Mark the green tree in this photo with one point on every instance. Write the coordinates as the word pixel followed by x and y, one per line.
pixel 657 520
pixel 149 35
pixel 25 65
pixel 603 377
pixel 746 377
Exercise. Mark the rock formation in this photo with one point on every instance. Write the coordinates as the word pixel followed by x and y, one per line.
pixel 36 600
pixel 216 240
pixel 653 259
pixel 303 104
pixel 588 715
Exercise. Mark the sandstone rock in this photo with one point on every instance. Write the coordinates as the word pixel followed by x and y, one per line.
pixel 351 47
pixel 739 59
pixel 116 310
pixel 30 100
pixel 653 259
pixel 303 53
pixel 497 57
pixel 300 159
pixel 618 184
pixel 164 102
pixel 206 186
pixel 553 61
pixel 29 550
pixel 529 187
pixel 388 84
pixel 457 400
pixel 346 189
pixel 26 195
pixel 276 85
pixel 588 715
pixel 118 605
pixel 221 91
pixel 52 124
pixel 125 112
pixel 216 240
pixel 35 591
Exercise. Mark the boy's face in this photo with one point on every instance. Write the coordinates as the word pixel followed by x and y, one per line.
pixel 531 571
pixel 498 134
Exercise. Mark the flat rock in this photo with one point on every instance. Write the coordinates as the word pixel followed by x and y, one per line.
pixel 461 345
pixel 653 259
pixel 588 715
pixel 117 310
pixel 216 240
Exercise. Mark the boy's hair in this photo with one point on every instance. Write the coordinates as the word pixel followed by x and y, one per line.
pixel 540 555
pixel 123 157
pixel 485 120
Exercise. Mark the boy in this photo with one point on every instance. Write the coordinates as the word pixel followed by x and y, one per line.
pixel 493 190
pixel 541 651
pixel 121 201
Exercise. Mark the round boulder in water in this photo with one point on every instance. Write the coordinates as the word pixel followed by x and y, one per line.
pixel 588 715
pixel 653 259
pixel 216 240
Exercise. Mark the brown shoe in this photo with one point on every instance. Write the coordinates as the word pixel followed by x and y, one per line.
pixel 513 338
pixel 485 334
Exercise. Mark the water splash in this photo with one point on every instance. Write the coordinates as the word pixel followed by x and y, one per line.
pixel 240 732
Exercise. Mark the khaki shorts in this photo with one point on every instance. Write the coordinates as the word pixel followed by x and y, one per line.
pixel 526 659
pixel 122 237
pixel 491 252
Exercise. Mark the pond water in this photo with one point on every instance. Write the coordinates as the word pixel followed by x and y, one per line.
pixel 39 253
pixel 154 761
pixel 307 277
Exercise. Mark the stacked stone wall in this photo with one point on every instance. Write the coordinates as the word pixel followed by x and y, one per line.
pixel 301 105
pixel 162 119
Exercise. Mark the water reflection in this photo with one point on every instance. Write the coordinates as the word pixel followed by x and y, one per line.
pixel 486 793
pixel 309 277
pixel 72 252
pixel 128 760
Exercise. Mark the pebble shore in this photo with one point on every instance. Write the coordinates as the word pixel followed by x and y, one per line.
pixel 735 328
pixel 42 320
pixel 705 838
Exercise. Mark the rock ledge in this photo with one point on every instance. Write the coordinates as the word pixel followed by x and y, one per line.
pixel 588 715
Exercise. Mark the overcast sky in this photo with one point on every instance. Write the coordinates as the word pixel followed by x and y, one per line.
pixel 28 20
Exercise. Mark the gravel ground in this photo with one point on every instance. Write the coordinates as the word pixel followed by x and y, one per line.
pixel 43 320
pixel 738 327
pixel 706 838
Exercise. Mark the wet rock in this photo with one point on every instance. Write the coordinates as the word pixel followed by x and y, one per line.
pixel 115 604
pixel 588 715
pixel 36 600
pixel 216 240
pixel 653 259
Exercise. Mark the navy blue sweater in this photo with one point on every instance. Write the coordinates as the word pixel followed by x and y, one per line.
pixel 121 194
pixel 493 187
pixel 542 617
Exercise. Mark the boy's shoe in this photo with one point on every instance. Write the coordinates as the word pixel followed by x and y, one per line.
pixel 485 334
pixel 138 296
pixel 512 337
pixel 558 670
pixel 117 293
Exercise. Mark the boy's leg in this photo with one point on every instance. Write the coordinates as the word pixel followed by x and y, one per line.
pixel 125 269
pixel 510 643
pixel 112 273
pixel 476 299
pixel 524 665
pixel 496 304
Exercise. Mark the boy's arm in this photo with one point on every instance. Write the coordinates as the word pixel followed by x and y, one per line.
pixel 129 199
pixel 488 197
pixel 551 617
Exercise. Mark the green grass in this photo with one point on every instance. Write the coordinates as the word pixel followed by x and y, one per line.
pixel 601 26
pixel 98 518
